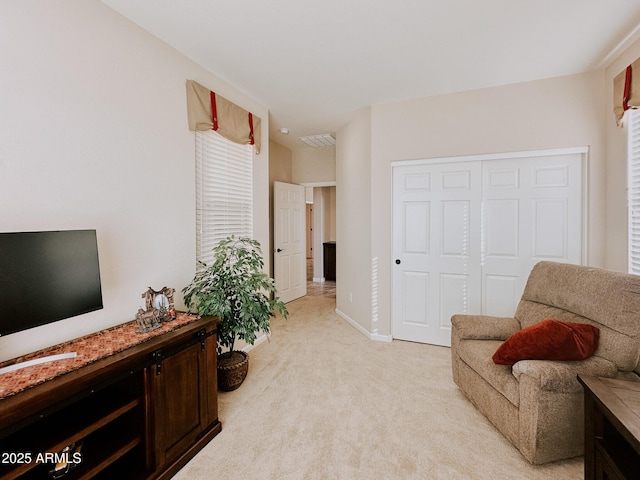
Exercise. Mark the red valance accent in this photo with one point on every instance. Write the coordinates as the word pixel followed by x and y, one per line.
pixel 214 111
pixel 253 140
pixel 626 90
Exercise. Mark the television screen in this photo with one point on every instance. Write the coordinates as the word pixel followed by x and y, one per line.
pixel 46 277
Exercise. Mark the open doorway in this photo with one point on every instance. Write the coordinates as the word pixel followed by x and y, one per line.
pixel 321 240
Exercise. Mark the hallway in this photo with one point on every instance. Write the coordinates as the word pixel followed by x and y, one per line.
pixel 320 289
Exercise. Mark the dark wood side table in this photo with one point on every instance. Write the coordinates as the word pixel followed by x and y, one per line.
pixel 611 428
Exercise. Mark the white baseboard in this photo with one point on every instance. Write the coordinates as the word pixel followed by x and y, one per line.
pixel 371 336
pixel 381 338
pixel 319 279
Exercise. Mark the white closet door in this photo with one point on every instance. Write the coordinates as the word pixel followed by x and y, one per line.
pixel 436 243
pixel 466 235
pixel 532 211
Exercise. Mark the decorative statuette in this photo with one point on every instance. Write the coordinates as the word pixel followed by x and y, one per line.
pixel 159 308
pixel 148 321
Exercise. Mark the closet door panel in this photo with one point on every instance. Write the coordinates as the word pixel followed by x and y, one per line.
pixel 532 211
pixel 467 233
pixel 551 229
pixel 500 292
pixel 501 224
pixel 436 247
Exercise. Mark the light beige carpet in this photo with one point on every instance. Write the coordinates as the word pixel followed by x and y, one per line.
pixel 321 401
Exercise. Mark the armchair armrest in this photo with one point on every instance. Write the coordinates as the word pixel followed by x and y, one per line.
pixel 557 376
pixel 477 327
pixel 483 327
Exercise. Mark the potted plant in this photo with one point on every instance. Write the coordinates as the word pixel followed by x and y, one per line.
pixel 236 289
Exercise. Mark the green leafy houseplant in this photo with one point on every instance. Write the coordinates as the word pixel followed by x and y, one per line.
pixel 236 289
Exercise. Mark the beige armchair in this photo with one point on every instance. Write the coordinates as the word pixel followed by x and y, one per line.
pixel 538 404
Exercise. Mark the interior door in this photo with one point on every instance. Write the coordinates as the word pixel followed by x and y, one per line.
pixel 436 244
pixel 289 257
pixel 532 211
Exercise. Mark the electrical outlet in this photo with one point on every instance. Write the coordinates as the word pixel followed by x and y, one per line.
pixel 350 297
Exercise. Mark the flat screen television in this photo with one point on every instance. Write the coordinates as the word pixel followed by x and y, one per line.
pixel 46 277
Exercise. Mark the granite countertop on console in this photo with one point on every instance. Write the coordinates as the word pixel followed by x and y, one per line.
pixel 89 348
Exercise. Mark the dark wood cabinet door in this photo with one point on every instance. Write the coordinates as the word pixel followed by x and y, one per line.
pixel 180 402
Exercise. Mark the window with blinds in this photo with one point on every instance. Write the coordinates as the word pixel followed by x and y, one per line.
pixel 224 191
pixel 633 190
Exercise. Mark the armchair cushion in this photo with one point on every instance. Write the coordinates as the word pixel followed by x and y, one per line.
pixel 549 340
pixel 477 355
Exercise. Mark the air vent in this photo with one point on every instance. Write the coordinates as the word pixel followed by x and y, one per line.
pixel 324 140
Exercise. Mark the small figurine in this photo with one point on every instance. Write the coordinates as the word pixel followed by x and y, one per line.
pixel 147 320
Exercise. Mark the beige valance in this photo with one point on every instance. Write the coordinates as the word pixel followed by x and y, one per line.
pixel 626 90
pixel 209 111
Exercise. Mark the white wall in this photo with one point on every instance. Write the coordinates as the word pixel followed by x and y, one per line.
pixel 547 114
pixel 93 134
pixel 330 213
pixel 353 220
pixel 280 158
pixel 313 165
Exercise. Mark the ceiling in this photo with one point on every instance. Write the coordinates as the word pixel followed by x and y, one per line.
pixel 314 63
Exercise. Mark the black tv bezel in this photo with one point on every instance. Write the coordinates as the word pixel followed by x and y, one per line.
pixel 9 326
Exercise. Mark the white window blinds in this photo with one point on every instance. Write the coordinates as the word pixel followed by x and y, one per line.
pixel 634 190
pixel 224 191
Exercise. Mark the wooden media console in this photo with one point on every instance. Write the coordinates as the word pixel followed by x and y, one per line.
pixel 126 406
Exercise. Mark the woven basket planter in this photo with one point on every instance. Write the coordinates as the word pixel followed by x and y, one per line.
pixel 232 370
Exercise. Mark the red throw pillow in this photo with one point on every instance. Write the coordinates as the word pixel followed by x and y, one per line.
pixel 549 340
